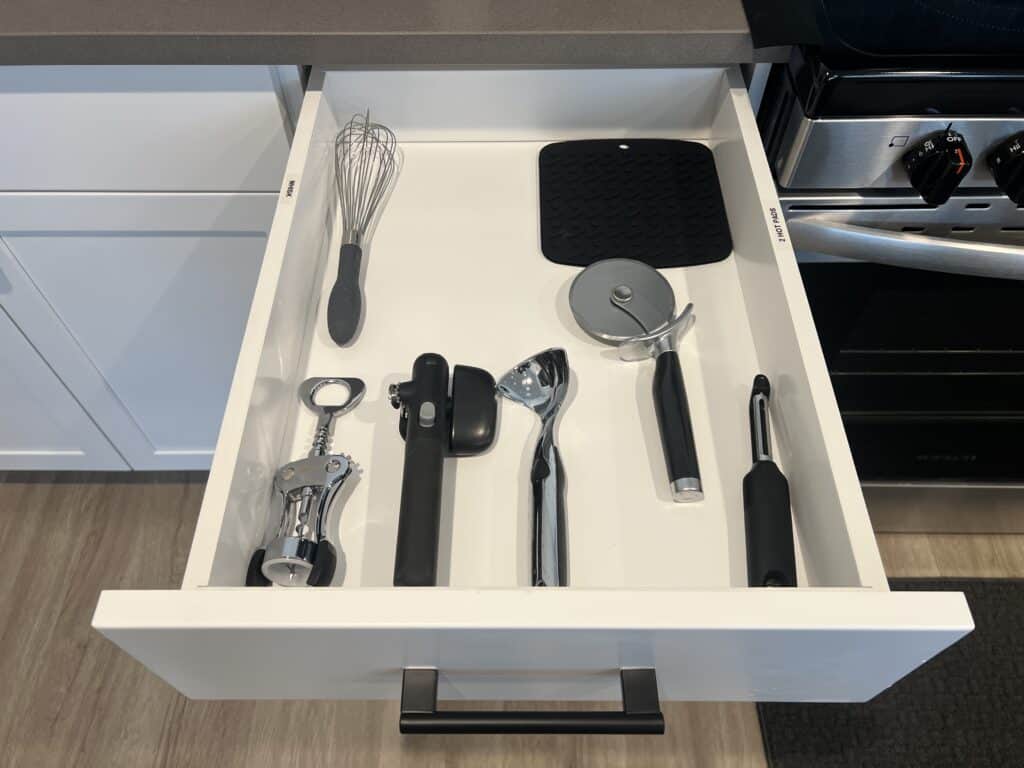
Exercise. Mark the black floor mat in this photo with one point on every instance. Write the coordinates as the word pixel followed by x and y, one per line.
pixel 964 708
pixel 654 200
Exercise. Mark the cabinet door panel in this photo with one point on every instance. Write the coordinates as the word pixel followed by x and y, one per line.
pixel 43 427
pixel 149 297
pixel 161 318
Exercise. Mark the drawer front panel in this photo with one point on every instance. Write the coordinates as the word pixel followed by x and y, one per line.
pixel 746 645
pixel 181 128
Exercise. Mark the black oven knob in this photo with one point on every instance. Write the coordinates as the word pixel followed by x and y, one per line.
pixel 1007 164
pixel 937 165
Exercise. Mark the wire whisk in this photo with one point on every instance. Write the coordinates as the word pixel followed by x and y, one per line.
pixel 365 166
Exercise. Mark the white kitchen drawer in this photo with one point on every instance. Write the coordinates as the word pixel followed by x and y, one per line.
pixel 455 267
pixel 143 128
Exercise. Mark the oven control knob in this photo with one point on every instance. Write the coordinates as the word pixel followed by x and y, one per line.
pixel 1007 164
pixel 937 165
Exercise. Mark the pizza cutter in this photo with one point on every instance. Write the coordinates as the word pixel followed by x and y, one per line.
pixel 628 304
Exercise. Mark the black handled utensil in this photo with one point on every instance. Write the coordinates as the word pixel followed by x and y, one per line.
pixel 630 305
pixel 771 561
pixel 434 425
pixel 365 165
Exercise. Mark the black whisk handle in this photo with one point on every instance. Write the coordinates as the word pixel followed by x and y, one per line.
pixel 345 305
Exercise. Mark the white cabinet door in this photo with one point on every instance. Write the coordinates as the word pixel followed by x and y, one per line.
pixel 41 424
pixel 139 302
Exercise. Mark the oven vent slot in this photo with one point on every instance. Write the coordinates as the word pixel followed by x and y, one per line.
pixel 840 208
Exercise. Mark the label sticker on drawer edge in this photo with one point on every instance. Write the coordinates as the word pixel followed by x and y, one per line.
pixel 775 220
pixel 289 190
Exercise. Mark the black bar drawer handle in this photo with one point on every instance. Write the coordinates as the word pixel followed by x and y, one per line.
pixel 641 711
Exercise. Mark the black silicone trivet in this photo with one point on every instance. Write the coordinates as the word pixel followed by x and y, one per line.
pixel 964 708
pixel 654 200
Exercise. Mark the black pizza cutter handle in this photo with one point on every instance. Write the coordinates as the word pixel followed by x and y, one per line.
pixel 676 428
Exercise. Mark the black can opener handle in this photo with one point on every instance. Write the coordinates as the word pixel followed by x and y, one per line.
pixel 425 427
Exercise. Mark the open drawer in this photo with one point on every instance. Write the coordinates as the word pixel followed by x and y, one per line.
pixel 455 267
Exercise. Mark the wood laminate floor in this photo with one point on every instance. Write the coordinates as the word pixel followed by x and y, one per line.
pixel 68 697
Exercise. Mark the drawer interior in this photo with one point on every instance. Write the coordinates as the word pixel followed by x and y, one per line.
pixel 455 267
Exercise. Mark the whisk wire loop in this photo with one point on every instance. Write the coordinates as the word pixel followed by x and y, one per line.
pixel 365 164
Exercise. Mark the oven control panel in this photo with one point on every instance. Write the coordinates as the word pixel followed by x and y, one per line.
pixel 900 155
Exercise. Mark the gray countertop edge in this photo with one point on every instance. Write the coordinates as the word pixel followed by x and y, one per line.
pixel 398 50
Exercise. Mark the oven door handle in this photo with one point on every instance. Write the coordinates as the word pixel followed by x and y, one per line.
pixel 905 249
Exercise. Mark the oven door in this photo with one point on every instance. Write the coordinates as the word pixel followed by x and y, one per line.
pixel 921 332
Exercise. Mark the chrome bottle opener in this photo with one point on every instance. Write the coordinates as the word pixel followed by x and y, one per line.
pixel 297 552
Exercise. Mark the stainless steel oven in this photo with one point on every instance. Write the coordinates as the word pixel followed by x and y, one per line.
pixel 903 190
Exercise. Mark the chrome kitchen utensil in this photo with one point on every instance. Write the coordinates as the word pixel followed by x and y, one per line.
pixel 297 552
pixel 630 305
pixel 365 164
pixel 540 383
